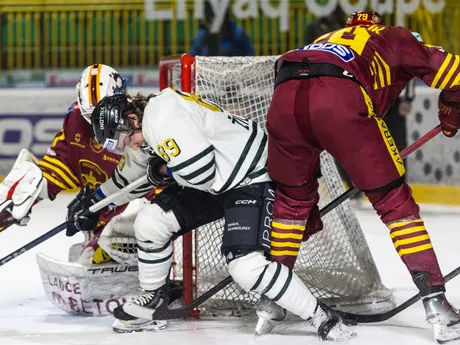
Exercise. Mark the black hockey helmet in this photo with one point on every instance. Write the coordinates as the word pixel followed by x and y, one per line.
pixel 110 121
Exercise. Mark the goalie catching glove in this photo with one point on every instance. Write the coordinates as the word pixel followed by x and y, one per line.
pixel 78 216
pixel 20 190
pixel 157 172
pixel 449 116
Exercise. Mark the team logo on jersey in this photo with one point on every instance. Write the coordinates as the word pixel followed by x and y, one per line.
pixel 340 51
pixel 91 174
pixel 95 146
pixel 76 141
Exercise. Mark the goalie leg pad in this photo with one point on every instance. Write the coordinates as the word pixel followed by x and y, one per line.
pixel 254 272
pixel 121 249
pixel 154 228
pixel 399 211
pixel 117 239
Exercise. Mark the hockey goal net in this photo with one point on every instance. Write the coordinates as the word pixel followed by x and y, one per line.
pixel 336 264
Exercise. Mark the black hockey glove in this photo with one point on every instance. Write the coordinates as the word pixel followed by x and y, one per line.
pixel 81 204
pixel 154 174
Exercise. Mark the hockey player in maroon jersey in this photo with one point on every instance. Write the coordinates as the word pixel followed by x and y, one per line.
pixel 74 161
pixel 331 95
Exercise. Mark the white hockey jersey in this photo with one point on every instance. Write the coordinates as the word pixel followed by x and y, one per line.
pixel 204 146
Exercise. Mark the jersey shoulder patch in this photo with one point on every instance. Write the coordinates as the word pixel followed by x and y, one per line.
pixel 73 107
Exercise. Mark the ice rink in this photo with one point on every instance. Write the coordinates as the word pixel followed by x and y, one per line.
pixel 26 317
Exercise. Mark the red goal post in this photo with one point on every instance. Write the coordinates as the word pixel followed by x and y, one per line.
pixel 166 66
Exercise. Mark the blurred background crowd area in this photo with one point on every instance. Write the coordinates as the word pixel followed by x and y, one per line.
pixel 51 34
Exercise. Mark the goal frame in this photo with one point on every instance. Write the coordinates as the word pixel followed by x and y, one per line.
pixel 189 273
pixel 375 294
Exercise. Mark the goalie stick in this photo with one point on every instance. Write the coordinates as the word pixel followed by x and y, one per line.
pixel 167 314
pixel 96 207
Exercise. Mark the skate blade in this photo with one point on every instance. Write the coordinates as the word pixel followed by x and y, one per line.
pixel 120 326
pixel 340 333
pixel 444 334
pixel 264 326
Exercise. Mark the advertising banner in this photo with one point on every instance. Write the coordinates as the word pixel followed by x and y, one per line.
pixel 29 118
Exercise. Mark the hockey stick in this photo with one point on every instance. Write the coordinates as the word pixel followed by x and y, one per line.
pixel 166 314
pixel 357 318
pixel 96 207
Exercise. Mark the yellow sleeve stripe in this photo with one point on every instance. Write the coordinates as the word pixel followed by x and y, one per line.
pixel 63 167
pixel 285 244
pixel 411 240
pixel 60 173
pixel 58 138
pixel 53 180
pixel 398 224
pixel 407 231
pixel 379 72
pixel 451 72
pixel 288 226
pixel 373 74
pixel 456 80
pixel 158 191
pixel 386 67
pixel 284 253
pixel 441 70
pixel 281 235
pixel 415 249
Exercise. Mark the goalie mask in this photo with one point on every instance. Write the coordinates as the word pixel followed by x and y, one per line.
pixel 96 82
pixel 111 124
pixel 364 18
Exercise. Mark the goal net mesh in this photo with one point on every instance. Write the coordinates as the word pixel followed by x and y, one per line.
pixel 336 263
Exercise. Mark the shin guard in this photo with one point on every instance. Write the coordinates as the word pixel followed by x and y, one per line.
pixel 286 239
pixel 399 211
pixel 291 210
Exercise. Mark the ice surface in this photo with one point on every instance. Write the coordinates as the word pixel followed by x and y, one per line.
pixel 26 317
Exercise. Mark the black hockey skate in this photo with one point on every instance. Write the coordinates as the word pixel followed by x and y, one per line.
pixel 329 324
pixel 132 316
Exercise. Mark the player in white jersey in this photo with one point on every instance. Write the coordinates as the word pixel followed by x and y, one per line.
pixel 214 166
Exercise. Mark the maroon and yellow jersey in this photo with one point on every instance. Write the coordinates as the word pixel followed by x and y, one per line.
pixel 384 59
pixel 75 159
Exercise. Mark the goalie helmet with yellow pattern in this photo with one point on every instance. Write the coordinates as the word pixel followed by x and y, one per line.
pixel 96 82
